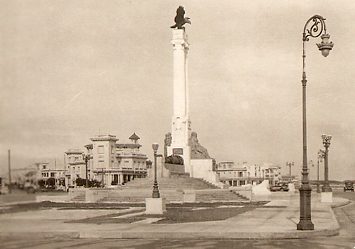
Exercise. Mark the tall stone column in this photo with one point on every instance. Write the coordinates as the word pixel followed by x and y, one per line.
pixel 180 130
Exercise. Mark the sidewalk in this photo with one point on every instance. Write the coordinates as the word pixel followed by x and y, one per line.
pixel 274 222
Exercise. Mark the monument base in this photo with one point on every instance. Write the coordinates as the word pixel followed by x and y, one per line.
pixel 326 197
pixel 155 206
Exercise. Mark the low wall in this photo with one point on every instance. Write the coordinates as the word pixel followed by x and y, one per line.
pixel 74 192
pixel 94 195
pixel 203 168
pixel 53 198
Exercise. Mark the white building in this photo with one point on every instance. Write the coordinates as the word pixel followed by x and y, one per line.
pixel 232 174
pixel 243 173
pixel 75 166
pixel 110 163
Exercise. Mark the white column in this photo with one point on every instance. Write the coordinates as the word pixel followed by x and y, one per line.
pixel 180 129
pixel 180 48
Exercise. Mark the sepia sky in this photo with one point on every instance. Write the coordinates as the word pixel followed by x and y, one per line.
pixel 73 69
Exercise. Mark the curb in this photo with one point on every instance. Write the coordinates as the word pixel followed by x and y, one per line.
pixel 41 235
pixel 209 235
pixel 114 234
pixel 337 205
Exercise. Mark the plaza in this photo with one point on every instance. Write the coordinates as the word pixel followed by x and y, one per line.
pixel 176 124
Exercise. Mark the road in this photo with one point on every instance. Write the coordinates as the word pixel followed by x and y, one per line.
pixel 346 238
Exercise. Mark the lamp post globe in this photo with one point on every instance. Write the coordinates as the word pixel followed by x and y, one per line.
pixel 325 46
pixel 155 147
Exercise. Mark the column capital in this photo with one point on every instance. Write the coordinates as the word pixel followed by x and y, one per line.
pixel 179 39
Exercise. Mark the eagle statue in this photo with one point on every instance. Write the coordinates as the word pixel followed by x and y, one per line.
pixel 180 20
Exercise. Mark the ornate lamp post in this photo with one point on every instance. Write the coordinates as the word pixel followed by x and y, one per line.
pixel 326 143
pixel 86 158
pixel 320 159
pixel 314 27
pixel 156 193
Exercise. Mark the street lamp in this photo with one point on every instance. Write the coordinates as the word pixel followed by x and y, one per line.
pixel 290 164
pixel 86 158
pixel 326 143
pixel 156 193
pixel 320 159
pixel 314 27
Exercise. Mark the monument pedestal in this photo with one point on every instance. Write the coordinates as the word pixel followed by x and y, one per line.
pixel 155 206
pixel 326 197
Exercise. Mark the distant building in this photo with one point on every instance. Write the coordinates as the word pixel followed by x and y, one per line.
pixel 243 173
pixel 75 166
pixel 31 175
pixel 110 163
pixel 232 174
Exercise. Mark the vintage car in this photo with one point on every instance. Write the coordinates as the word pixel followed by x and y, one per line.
pixel 275 188
pixel 284 187
pixel 348 186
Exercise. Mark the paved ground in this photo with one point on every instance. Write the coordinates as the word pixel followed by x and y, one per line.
pixel 317 243
pixel 346 239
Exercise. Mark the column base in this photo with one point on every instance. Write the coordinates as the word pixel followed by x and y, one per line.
pixel 305 208
pixel 305 225
pixel 156 193
pixel 155 206
pixel 326 196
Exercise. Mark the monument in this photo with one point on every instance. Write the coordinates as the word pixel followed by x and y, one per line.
pixel 182 148
pixel 181 125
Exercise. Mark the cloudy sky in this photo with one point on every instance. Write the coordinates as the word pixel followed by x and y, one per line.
pixel 73 69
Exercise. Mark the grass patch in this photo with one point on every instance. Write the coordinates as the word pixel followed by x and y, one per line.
pixel 182 213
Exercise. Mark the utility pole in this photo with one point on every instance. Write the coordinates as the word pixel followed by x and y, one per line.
pixel 9 161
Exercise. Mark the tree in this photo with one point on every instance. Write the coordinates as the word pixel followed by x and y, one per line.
pixel 80 181
pixel 41 183
pixel 51 182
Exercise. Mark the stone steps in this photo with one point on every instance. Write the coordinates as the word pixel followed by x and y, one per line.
pixel 78 198
pixel 170 183
pixel 129 195
pixel 218 195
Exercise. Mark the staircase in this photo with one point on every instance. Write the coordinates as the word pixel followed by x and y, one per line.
pixel 131 195
pixel 172 189
pixel 172 183
pixel 218 195
pixel 78 198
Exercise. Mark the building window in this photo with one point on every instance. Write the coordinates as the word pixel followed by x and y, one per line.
pixel 100 149
pixel 52 174
pixel 240 174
